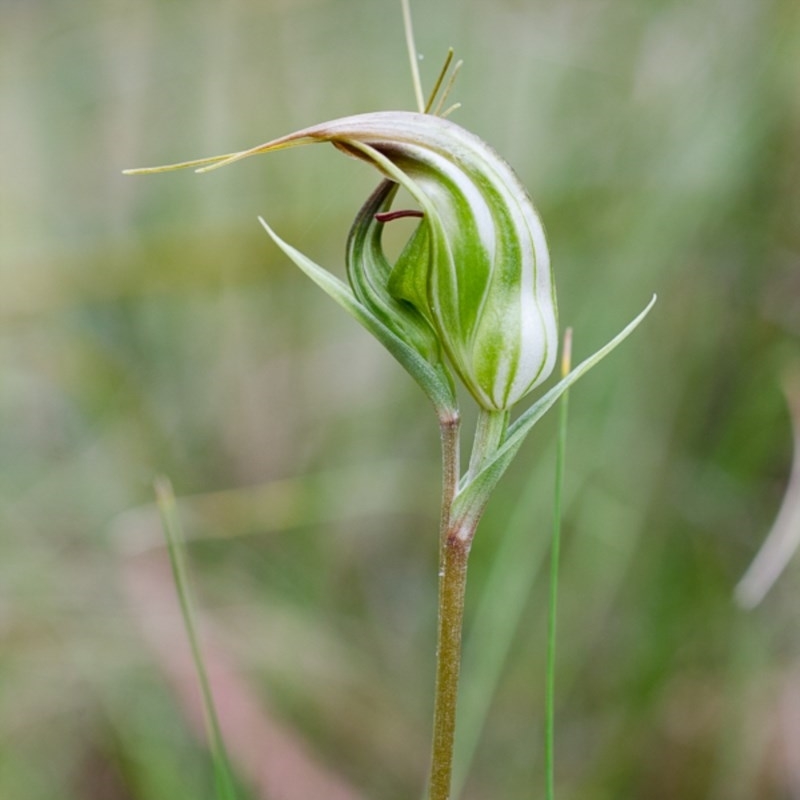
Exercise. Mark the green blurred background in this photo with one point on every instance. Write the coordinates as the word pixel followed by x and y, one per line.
pixel 149 326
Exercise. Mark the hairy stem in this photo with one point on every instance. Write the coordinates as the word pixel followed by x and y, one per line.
pixel 452 587
pixel 454 546
pixel 453 553
pixel 449 429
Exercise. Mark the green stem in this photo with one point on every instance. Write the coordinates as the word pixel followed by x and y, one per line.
pixel 489 434
pixel 549 739
pixel 453 553
pixel 452 587
pixel 455 542
pixel 454 545
pixel 449 429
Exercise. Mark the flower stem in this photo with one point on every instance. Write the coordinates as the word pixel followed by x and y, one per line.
pixel 452 586
pixel 489 434
pixel 449 429
pixel 453 554
pixel 454 545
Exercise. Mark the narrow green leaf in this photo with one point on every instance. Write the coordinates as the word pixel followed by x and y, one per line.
pixel 555 550
pixel 165 499
pixel 433 382
pixel 474 495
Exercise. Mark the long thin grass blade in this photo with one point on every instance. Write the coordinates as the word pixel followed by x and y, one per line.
pixel 555 551
pixel 412 55
pixel 165 499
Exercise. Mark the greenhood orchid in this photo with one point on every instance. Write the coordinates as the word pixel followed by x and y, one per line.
pixel 476 272
pixel 471 294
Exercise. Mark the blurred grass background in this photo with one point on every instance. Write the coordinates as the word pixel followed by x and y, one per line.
pixel 147 325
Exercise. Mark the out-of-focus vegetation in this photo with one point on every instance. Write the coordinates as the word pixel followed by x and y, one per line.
pixel 149 326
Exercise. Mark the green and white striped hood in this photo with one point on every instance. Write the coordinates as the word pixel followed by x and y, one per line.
pixel 477 268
